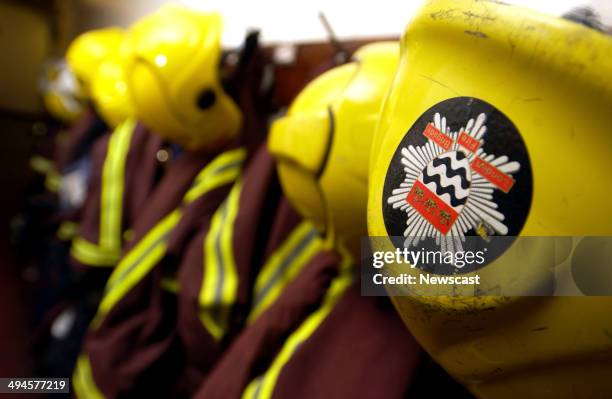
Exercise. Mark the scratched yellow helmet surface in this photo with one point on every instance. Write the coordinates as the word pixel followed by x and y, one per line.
pixel 497 125
pixel 88 50
pixel 173 77
pixel 323 143
pixel 61 92
pixel 109 91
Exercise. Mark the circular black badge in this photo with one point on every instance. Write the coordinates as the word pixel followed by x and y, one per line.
pixel 459 180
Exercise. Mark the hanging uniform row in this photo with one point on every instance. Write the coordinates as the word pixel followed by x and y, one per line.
pixel 217 255
pixel 199 277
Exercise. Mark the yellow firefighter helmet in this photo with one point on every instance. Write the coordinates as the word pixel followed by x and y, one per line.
pixel 88 50
pixel 323 143
pixel 109 91
pixel 60 92
pixel 173 77
pixel 497 124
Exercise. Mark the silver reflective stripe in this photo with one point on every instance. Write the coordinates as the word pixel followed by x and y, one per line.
pixel 286 262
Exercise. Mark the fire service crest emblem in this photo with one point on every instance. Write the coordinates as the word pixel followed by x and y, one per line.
pixel 461 170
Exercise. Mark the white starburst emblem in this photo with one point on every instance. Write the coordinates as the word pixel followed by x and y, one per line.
pixel 449 184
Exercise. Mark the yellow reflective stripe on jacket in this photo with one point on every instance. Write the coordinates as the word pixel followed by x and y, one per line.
pixel 221 168
pixel 41 164
pixel 283 266
pixel 83 382
pixel 90 254
pixel 138 262
pixel 108 251
pixel 170 284
pixel 113 184
pixel 149 250
pixel 262 387
pixel 67 230
pixel 53 181
pixel 220 278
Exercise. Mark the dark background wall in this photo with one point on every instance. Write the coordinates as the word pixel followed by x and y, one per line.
pixel 26 39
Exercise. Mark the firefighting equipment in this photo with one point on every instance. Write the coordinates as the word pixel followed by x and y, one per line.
pixel 316 340
pixel 62 286
pixel 254 232
pixel 322 145
pixel 88 50
pixel 173 75
pixel 61 92
pixel 496 125
pixel 105 204
pixel 301 295
pixel 83 57
pixel 217 275
pixel 319 305
pixel 115 194
pixel 126 167
pixel 109 354
pixel 109 91
pixel 75 144
pixel 103 365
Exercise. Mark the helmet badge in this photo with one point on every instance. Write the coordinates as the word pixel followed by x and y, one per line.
pixel 461 170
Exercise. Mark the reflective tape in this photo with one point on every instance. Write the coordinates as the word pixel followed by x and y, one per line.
pixel 67 230
pixel 170 284
pixel 283 266
pixel 83 382
pixel 152 247
pixel 53 181
pixel 222 169
pixel 41 164
pixel 262 387
pixel 113 185
pixel 220 279
pixel 91 254
pixel 106 253
pixel 138 262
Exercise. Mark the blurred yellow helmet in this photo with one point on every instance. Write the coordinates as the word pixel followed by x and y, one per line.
pixel 322 145
pixel 109 91
pixel 173 77
pixel 88 50
pixel 497 125
pixel 60 92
